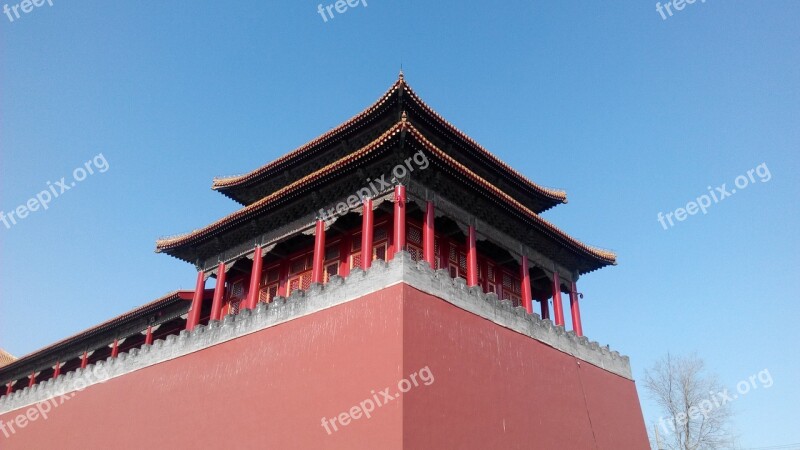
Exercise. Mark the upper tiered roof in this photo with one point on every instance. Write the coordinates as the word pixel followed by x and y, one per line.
pixel 295 186
pixel 373 121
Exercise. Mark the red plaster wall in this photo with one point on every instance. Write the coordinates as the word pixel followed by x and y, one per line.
pixel 266 390
pixel 497 389
pixel 492 389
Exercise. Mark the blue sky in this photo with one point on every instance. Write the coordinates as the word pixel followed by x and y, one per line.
pixel 632 114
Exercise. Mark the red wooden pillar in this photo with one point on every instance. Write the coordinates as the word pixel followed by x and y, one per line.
pixel 9 388
pixel 444 253
pixel 525 276
pixel 219 291
pixel 345 246
pixel 319 252
pixel 428 243
pixel 283 278
pixel 367 229
pixel 255 279
pixel 115 348
pixel 148 337
pixel 84 359
pixel 472 258
pixel 197 302
pixel 558 307
pixel 399 218
pixel 576 310
pixel 32 379
pixel 483 274
pixel 57 370
pixel 545 309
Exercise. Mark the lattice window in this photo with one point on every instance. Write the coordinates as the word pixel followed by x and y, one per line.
pixel 436 253
pixel 453 270
pixel 414 235
pixel 380 251
pixel 453 254
pixel 268 293
pixel 491 272
pixel 462 262
pixel 331 270
pixel 294 284
pixel 355 260
pixel 415 252
pixel 235 305
pixel 306 283
pixel 508 283
pixel 356 242
pixel 515 299
pixel 237 290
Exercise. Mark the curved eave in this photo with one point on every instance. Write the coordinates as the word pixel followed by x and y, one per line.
pixel 164 245
pixel 604 257
pixel 226 184
pixel 54 349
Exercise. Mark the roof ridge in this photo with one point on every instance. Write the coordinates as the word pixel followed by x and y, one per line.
pixel 223 182
pixel 556 194
pixel 602 253
pixel 163 244
pixel 166 244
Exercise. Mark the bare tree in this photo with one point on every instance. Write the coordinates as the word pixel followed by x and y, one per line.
pixel 695 406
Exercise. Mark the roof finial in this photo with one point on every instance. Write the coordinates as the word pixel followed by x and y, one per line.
pixel 401 72
pixel 404 117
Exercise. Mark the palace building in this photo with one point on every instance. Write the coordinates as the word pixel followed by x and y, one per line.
pixel 391 244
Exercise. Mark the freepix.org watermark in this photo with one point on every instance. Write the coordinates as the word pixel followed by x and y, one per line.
pixel 42 410
pixel 716 400
pixel 718 194
pixel 677 5
pixel 379 399
pixel 341 7
pixel 26 6
pixel 54 190
pixel 375 187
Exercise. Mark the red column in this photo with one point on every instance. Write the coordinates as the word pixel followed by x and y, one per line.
pixel 115 348
pixel 444 254
pixel 32 379
pixel 545 309
pixel 197 302
pixel 84 359
pixel 345 246
pixel 558 307
pixel 525 276
pixel 576 310
pixel 472 258
pixel 255 279
pixel 399 218
pixel 9 388
pixel 367 228
pixel 148 338
pixel 319 252
pixel 57 370
pixel 219 291
pixel 283 279
pixel 428 236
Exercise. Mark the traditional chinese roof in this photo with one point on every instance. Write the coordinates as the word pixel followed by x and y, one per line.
pixel 96 336
pixel 179 246
pixel 378 117
pixel 6 358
